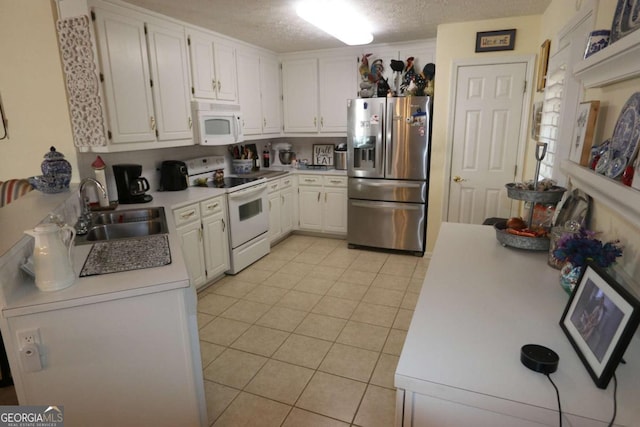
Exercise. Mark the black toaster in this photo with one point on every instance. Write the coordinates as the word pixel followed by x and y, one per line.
pixel 173 176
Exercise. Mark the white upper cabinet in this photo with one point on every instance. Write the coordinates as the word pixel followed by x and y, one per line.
pixel 300 94
pixel 270 91
pixel 213 67
pixel 123 56
pixel 259 93
pixel 249 92
pixel 338 82
pixel 170 76
pixel 144 66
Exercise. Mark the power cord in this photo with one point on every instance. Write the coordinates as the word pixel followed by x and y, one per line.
pixel 558 396
pixel 615 399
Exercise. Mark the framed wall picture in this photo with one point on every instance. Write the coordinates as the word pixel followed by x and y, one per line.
pixel 543 62
pixel 323 154
pixel 490 41
pixel 536 120
pixel 587 115
pixel 600 320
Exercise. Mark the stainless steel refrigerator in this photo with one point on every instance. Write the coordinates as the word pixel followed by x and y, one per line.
pixel 388 141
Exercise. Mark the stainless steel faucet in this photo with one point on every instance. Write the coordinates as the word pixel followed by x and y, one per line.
pixel 82 225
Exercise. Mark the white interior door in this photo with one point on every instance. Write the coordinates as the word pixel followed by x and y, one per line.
pixel 486 135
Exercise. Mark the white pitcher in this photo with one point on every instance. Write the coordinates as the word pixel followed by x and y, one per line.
pixel 52 256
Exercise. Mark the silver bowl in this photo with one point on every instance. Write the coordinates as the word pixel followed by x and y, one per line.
pixel 286 157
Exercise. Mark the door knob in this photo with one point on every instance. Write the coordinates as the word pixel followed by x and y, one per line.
pixel 458 179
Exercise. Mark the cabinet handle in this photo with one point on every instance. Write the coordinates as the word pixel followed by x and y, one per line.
pixel 265 122
pixel 335 181
pixel 315 122
pixel 186 215
pixel 153 122
pixel 219 85
pixel 309 180
pixel 190 123
pixel 200 234
pixel 224 225
pixel 318 197
pixel 321 121
pixel 282 198
pixel 212 206
pixel 269 204
pixel 325 197
pixel 213 84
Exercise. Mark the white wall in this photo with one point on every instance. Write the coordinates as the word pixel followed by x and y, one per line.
pixel 32 89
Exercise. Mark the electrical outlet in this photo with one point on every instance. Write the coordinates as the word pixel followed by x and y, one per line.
pixel 29 336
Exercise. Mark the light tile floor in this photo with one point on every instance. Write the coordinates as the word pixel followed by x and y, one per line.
pixel 308 336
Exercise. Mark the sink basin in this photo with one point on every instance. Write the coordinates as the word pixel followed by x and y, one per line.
pixel 123 231
pixel 124 224
pixel 130 215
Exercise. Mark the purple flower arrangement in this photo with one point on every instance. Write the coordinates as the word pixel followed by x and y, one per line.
pixel 582 246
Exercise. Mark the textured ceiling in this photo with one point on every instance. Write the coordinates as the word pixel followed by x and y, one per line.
pixel 274 25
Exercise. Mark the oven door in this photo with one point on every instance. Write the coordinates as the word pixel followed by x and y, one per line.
pixel 248 214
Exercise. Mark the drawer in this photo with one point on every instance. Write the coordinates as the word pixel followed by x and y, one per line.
pixel 212 206
pixel 310 180
pixel 335 181
pixel 286 182
pixel 273 186
pixel 186 214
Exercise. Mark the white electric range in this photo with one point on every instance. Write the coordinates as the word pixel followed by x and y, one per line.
pixel 247 206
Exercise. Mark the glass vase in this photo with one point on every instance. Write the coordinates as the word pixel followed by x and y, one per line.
pixel 569 275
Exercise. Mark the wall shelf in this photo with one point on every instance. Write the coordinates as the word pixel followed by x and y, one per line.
pixel 617 62
pixel 613 194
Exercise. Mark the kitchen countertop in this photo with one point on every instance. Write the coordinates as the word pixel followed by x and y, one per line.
pixel 33 208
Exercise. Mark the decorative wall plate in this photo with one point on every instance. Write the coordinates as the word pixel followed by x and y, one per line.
pixel 616 166
pixel 603 163
pixel 626 134
pixel 626 19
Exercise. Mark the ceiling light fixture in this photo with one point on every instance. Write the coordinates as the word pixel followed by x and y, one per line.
pixel 337 18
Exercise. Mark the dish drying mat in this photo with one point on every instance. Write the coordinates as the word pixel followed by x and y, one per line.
pixel 127 254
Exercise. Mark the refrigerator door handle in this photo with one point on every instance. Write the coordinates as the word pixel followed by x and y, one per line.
pixel 387 205
pixel 390 184
pixel 391 107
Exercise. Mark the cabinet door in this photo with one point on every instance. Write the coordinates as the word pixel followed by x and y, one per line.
pixel 201 50
pixel 275 212
pixel 311 211
pixel 335 210
pixel 300 92
pixel 216 245
pixel 191 242
pixel 169 72
pixel 249 91
pixel 270 95
pixel 338 82
pixel 287 209
pixel 125 66
pixel 225 71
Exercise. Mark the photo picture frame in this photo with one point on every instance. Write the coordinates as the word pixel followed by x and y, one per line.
pixel 599 321
pixel 586 117
pixel 491 41
pixel 543 63
pixel 536 120
pixel 323 154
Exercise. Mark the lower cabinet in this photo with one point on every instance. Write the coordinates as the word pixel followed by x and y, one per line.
pixel 281 207
pixel 323 203
pixel 202 228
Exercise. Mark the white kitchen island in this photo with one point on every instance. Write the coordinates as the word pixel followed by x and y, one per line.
pixel 114 349
pixel 460 365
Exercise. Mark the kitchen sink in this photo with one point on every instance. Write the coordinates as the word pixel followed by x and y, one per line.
pixel 105 226
pixel 125 216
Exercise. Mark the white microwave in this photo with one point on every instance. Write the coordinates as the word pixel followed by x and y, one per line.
pixel 217 124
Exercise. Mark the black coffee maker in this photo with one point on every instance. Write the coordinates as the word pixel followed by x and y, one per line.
pixel 131 186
